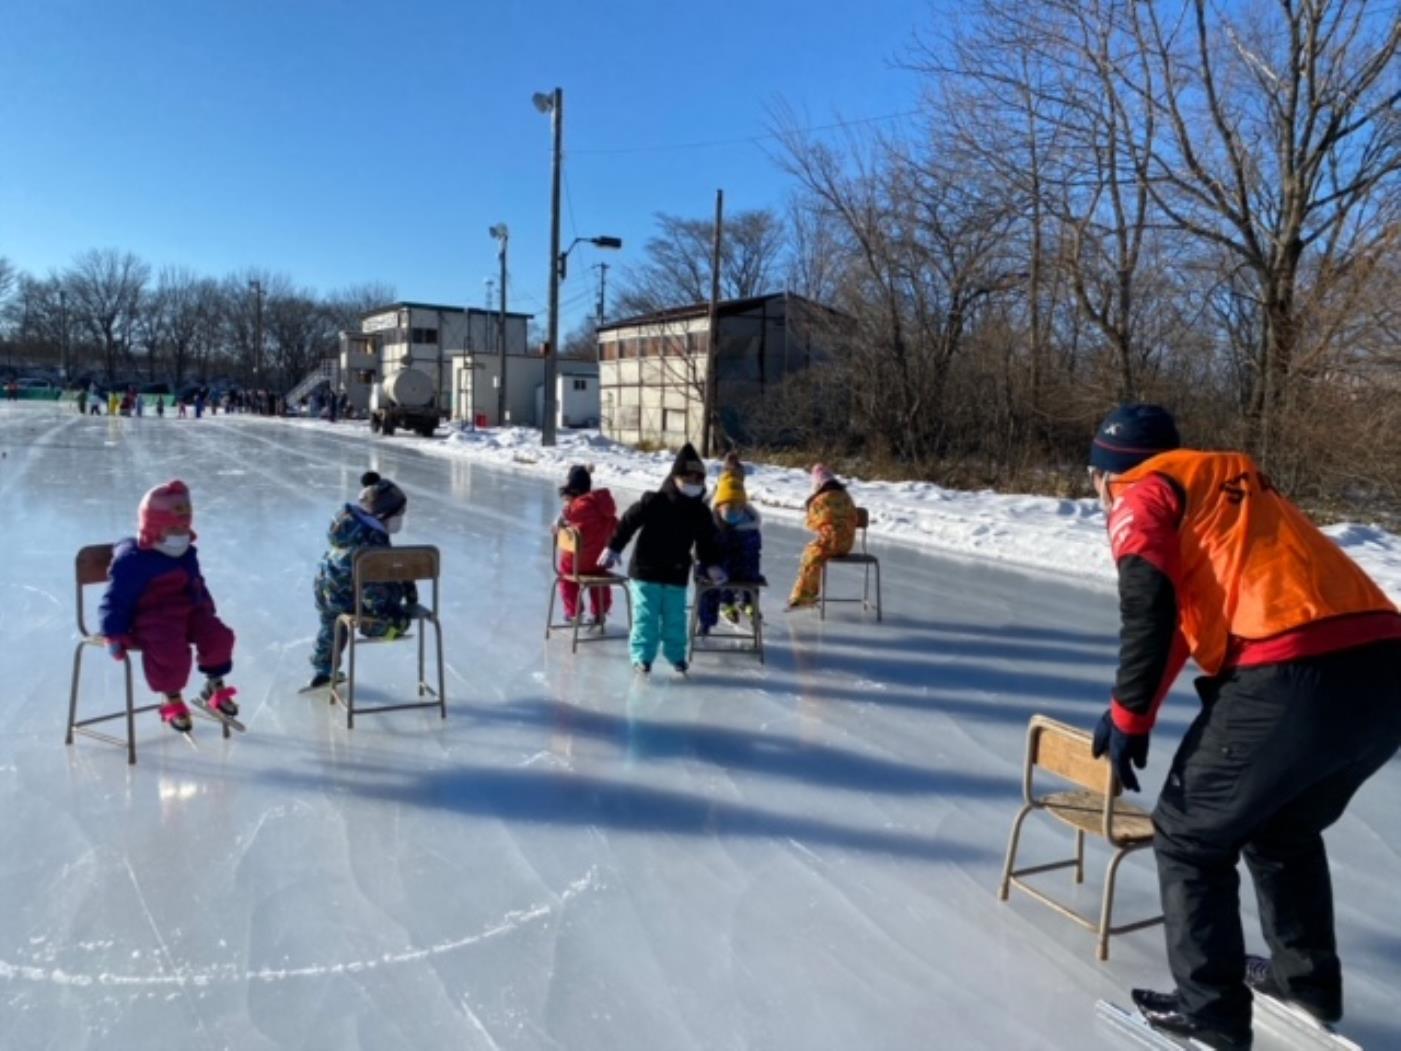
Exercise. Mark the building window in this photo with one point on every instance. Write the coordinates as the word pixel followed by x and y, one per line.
pixel 425 335
pixel 608 351
pixel 581 384
pixel 674 421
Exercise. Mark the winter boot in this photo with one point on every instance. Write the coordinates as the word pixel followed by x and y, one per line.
pixel 174 713
pixel 218 697
pixel 1164 1011
pixel 681 667
pixel 642 669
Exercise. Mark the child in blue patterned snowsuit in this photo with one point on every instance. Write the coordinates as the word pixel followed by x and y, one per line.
pixel 379 514
pixel 737 534
pixel 669 524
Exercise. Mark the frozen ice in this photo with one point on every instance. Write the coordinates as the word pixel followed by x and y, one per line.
pixel 797 855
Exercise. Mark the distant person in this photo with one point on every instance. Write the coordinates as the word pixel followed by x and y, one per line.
pixel 737 534
pixel 140 404
pixel 370 523
pixel 82 401
pixel 199 405
pixel 593 515
pixel 182 408
pixel 1301 703
pixel 831 514
pixel 113 403
pixel 157 601
pixel 160 405
pixel 333 407
pixel 670 524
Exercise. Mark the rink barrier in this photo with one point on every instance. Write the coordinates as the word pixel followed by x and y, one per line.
pixel 1066 752
pixel 567 539
pixel 390 565
pixel 91 567
pixel 861 558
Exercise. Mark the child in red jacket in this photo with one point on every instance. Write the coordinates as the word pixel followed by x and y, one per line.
pixel 156 602
pixel 592 513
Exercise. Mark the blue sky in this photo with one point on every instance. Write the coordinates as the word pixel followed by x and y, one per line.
pixel 341 142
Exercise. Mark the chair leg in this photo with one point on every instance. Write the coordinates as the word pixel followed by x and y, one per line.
pixel 578 616
pixel 1004 887
pixel 350 684
pixel 1106 914
pixel 758 628
pixel 822 599
pixel 1079 855
pixel 442 679
pixel 550 613
pixel 130 715
pixel 423 686
pixel 879 612
pixel 73 696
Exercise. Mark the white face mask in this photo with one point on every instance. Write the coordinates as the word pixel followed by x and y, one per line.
pixel 393 525
pixel 174 545
pixel 690 489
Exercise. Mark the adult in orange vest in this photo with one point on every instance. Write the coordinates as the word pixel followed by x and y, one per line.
pixel 1301 703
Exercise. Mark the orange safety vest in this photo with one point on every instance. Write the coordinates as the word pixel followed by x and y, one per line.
pixel 1252 564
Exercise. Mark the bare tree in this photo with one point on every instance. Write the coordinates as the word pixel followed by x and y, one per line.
pixel 676 271
pixel 1280 146
pixel 105 286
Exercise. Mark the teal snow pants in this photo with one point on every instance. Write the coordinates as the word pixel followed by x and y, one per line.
pixel 658 620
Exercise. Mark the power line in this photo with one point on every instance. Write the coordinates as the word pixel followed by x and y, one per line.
pixel 708 144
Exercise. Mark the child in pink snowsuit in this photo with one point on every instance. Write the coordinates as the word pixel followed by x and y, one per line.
pixel 156 602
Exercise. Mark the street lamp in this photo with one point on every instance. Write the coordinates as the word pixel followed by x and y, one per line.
pixel 597 242
pixel 500 233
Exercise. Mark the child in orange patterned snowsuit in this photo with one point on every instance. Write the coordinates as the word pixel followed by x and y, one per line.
pixel 831 514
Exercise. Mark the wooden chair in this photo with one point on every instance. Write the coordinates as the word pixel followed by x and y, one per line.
pixel 567 540
pixel 752 641
pixel 389 565
pixel 1065 752
pixel 861 558
pixel 92 566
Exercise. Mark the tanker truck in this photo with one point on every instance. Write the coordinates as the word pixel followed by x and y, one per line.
pixel 405 398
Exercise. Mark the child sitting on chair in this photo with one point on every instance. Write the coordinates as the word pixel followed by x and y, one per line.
pixel 831 514
pixel 377 517
pixel 669 524
pixel 156 601
pixel 737 531
pixel 592 514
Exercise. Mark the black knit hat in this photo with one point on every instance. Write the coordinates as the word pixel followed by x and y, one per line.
pixel 1131 434
pixel 688 461
pixel 381 497
pixel 578 482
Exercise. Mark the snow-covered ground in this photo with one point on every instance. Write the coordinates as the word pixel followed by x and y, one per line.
pixel 1031 532
pixel 800 855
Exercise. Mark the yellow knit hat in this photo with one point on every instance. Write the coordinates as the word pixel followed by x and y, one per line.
pixel 730 490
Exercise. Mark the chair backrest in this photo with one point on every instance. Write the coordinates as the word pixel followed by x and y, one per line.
pixel 567 540
pixel 1066 752
pixel 92 566
pixel 395 565
pixel 863 518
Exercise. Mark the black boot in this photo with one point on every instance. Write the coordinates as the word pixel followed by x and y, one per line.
pixel 1164 1011
pixel 1260 976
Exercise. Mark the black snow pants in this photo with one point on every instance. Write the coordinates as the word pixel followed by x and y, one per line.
pixel 1270 762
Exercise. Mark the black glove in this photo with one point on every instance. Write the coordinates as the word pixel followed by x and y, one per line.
pixel 1125 750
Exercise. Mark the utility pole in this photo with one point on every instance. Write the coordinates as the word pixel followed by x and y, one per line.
pixel 713 336
pixel 554 104
pixel 600 310
pixel 503 235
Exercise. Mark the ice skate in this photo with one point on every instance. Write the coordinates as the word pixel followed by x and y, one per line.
pixel 320 681
pixel 641 668
pixel 681 667
pixel 174 714
pixel 217 700
pixel 1163 1011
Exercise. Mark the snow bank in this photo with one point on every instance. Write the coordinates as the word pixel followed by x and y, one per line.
pixel 1065 537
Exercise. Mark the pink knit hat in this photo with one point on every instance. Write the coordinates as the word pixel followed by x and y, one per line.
pixel 821 475
pixel 164 507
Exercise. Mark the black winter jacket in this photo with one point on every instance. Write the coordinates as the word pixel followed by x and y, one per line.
pixel 668 525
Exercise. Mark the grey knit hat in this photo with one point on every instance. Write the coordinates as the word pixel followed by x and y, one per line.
pixel 381 497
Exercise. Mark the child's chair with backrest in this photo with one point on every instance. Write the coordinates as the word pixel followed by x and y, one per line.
pixel 1065 751
pixel 568 540
pixel 390 565
pixel 861 558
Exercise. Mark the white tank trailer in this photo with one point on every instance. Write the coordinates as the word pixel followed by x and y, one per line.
pixel 407 399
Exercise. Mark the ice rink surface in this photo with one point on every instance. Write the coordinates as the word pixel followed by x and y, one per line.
pixel 801 855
